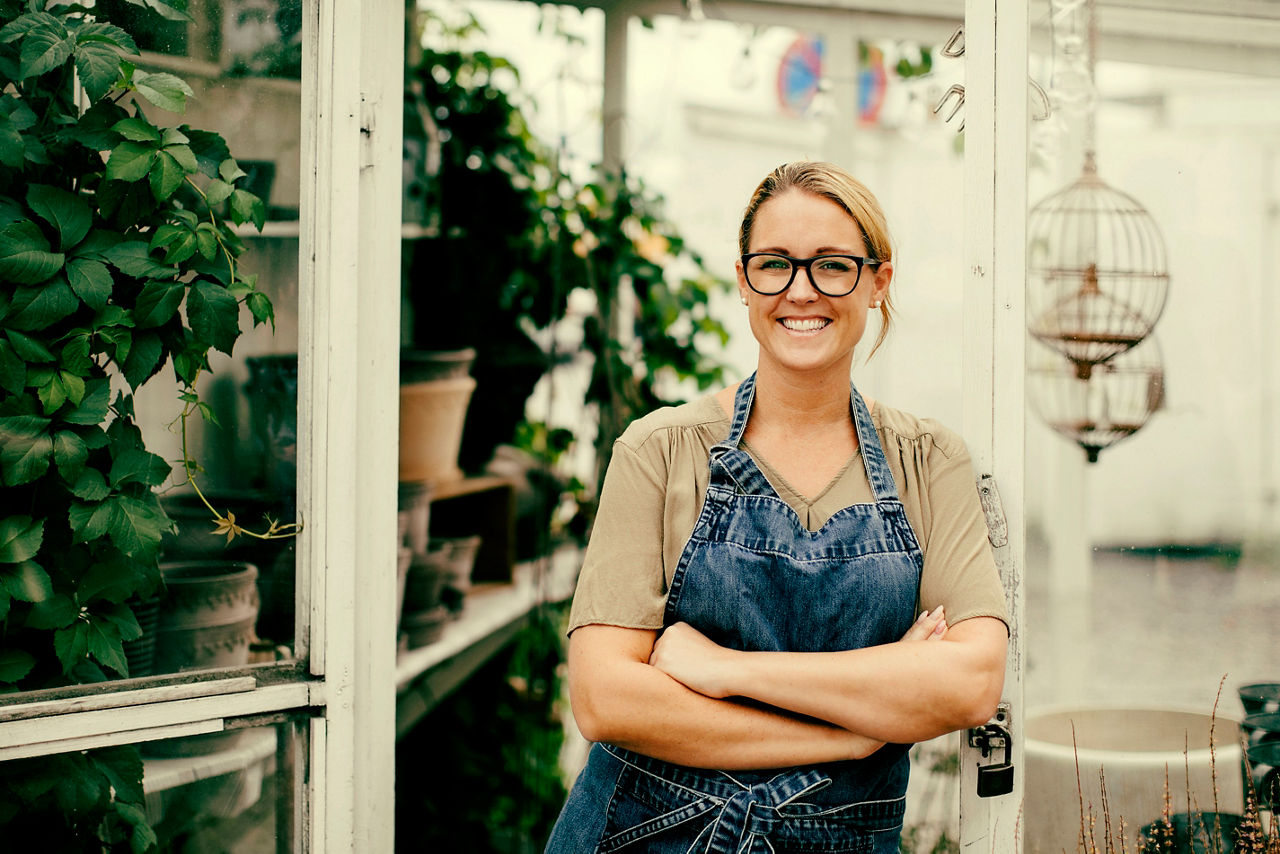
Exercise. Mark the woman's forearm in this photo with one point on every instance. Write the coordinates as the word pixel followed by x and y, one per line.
pixel 624 701
pixel 898 692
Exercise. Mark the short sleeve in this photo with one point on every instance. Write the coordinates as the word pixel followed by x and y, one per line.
pixel 622 581
pixel 959 567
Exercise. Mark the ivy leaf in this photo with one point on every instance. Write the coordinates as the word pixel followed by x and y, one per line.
pixel 28 349
pixel 98 61
pixel 14 664
pixel 130 161
pixel 165 9
pixel 41 306
pixel 53 613
pixel 52 392
pixel 66 212
pixel 183 155
pixel 207 241
pixel 123 767
pixel 25 448
pixel 97 31
pixel 27 582
pixel 89 521
pixel 20 538
pixel 45 48
pixel 120 339
pixel 157 302
pixel 94 129
pixel 166 176
pixel 104 645
pixel 137 129
pixel 69 452
pixel 13 370
pixel 133 259
pixel 25 256
pixel 13 151
pixel 135 465
pixel 75 355
pixel 136 526
pixel 209 148
pixel 143 360
pixel 113 581
pixel 93 406
pixel 246 207
pixel 91 486
pixel 214 315
pixel 166 91
pixel 91 281
pixel 218 191
pixel 261 309
pixel 72 644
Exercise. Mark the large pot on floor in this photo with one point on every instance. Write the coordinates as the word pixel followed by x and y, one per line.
pixel 1135 748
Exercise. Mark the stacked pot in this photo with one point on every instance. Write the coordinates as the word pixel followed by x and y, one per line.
pixel 435 390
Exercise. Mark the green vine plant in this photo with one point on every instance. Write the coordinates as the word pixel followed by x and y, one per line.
pixel 118 259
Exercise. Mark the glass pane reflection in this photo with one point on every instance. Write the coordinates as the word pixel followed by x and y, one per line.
pixel 229 791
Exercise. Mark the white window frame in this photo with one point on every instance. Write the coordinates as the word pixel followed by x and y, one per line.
pixel 349 272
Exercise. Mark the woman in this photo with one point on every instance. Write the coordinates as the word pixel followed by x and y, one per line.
pixel 745 650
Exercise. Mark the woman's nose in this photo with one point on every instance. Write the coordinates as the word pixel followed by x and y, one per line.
pixel 802 287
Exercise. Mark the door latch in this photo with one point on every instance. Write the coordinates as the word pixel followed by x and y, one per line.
pixel 996 778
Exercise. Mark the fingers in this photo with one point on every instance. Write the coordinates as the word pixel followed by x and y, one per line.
pixel 931 625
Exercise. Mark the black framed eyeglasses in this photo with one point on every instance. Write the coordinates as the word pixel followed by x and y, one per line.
pixel 769 273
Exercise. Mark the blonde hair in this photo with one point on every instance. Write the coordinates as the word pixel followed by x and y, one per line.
pixel 830 182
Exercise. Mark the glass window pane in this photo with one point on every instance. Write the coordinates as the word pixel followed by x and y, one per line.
pixel 179 387
pixel 1153 594
pixel 233 790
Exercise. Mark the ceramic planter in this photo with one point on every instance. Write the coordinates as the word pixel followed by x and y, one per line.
pixel 1135 748
pixel 435 391
pixel 207 616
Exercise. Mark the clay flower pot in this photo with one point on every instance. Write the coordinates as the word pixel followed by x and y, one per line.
pixel 207 616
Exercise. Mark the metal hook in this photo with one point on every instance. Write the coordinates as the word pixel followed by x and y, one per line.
pixel 955 45
pixel 1045 109
pixel 958 91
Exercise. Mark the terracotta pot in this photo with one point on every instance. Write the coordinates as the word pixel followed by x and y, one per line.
pixel 207 616
pixel 435 391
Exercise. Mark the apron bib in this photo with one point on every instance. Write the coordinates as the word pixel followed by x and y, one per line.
pixel 752 577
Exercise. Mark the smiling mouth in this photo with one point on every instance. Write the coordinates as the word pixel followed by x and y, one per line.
pixel 806 324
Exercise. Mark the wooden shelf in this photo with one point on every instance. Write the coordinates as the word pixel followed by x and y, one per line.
pixel 484 505
pixel 252 747
pixel 491 616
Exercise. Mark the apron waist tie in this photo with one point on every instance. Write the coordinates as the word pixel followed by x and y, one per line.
pixel 747 819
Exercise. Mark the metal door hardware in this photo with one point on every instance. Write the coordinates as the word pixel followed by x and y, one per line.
pixel 997 778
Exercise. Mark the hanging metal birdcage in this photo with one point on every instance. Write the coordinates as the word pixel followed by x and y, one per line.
pixel 1110 405
pixel 1097 273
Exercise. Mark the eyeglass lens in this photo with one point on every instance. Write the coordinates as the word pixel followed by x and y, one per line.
pixel 832 275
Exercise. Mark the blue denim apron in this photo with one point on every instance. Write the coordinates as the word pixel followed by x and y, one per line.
pixel 753 578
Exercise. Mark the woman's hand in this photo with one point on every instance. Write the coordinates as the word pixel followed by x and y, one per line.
pixel 699 663
pixel 928 626
pixel 690 657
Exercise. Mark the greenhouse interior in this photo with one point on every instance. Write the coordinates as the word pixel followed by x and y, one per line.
pixel 320 320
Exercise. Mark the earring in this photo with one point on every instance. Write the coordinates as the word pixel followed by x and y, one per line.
pixel 875 304
pixel 744 300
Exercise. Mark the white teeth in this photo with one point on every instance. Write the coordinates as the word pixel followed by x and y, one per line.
pixel 808 324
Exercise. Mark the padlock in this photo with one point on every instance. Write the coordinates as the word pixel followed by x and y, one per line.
pixel 997 779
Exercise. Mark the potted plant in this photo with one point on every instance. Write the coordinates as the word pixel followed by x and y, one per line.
pixel 108 278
